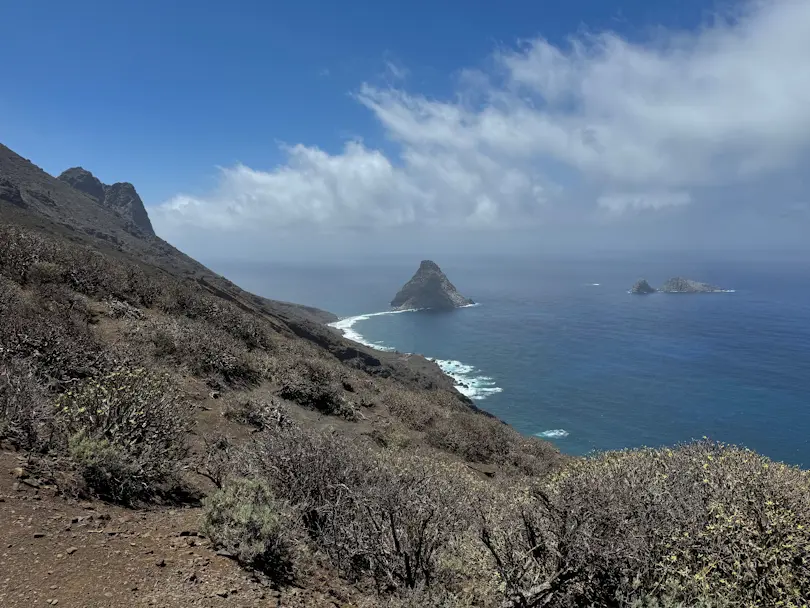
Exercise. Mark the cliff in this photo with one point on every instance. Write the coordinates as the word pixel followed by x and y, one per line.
pixel 120 197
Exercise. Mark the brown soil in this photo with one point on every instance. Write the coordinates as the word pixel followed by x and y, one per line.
pixel 62 552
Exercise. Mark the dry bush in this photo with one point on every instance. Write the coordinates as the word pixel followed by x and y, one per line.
pixel 126 432
pixel 316 383
pixel 26 417
pixel 383 516
pixel 472 436
pixel 414 408
pixel 42 273
pixel 206 350
pixel 479 438
pixel 701 523
pixel 247 520
pixel 189 300
pixel 217 460
pixel 258 413
pixel 57 342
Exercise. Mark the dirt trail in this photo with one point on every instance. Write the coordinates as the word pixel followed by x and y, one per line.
pixel 58 552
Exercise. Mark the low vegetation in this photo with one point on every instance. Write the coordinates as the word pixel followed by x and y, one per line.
pixel 247 520
pixel 408 494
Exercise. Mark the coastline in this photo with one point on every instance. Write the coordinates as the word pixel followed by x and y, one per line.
pixel 467 380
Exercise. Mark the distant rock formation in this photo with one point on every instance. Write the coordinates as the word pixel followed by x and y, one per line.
pixel 429 288
pixel 120 197
pixel 642 287
pixel 10 192
pixel 82 180
pixel 681 285
pixel 676 285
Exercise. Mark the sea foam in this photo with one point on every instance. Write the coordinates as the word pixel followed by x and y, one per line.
pixel 552 434
pixel 468 380
pixel 347 327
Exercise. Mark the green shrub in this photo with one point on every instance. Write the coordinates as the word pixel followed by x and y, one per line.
pixel 245 519
pixel 126 432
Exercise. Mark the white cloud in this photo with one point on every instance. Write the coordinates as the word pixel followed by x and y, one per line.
pixel 396 71
pixel 600 123
pixel 621 202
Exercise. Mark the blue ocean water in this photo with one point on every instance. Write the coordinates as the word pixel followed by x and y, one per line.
pixel 557 347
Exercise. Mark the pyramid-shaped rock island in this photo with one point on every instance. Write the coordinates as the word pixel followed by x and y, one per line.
pixel 429 288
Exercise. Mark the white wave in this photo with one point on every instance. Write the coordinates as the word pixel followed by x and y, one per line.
pixel 347 327
pixel 468 380
pixel 595 284
pixel 552 434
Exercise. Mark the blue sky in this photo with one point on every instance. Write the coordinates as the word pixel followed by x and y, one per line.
pixel 224 115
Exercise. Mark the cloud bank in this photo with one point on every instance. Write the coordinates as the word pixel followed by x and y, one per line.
pixel 599 129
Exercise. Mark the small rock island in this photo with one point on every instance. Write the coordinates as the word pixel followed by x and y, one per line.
pixel 429 288
pixel 642 287
pixel 676 285
pixel 681 285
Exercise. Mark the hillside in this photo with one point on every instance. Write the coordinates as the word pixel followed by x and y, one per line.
pixel 169 439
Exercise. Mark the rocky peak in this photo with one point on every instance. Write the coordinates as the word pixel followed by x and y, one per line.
pixel 124 200
pixel 429 266
pixel 429 288
pixel 82 180
pixel 121 197
pixel 642 287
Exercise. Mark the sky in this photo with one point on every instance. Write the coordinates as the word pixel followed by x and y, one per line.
pixel 257 130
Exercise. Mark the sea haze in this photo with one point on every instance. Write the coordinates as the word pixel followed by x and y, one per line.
pixel 558 348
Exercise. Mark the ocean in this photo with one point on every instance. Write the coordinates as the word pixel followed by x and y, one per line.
pixel 558 348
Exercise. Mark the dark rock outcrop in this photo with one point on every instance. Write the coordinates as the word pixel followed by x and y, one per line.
pixel 82 180
pixel 10 192
pixel 681 285
pixel 642 287
pixel 429 288
pixel 124 200
pixel 120 197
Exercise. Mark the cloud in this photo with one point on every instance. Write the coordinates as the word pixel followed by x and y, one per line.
pixel 597 124
pixel 396 71
pixel 621 202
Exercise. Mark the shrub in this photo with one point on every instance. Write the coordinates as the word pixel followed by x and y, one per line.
pixel 701 523
pixel 26 418
pixel 257 413
pixel 420 409
pixel 245 519
pixel 472 436
pixel 127 433
pixel 385 516
pixel 205 349
pixel 59 348
pixel 41 273
pixel 216 460
pixel 316 383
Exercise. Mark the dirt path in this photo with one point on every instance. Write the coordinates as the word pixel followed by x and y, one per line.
pixel 57 552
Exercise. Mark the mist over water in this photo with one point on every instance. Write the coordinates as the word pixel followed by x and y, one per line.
pixel 558 348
